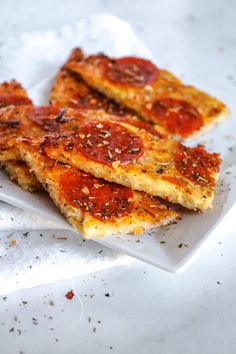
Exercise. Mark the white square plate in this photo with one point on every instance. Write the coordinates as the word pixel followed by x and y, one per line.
pixel 194 230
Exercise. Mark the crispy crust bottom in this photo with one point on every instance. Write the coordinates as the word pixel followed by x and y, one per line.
pixel 19 173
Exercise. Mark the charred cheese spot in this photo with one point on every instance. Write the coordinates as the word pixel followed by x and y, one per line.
pixel 102 199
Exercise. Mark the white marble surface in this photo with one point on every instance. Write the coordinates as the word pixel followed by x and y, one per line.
pixel 147 310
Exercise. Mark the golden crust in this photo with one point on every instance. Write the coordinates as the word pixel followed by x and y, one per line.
pixel 142 99
pixel 157 172
pixel 12 88
pixel 19 173
pixel 49 173
pixel 70 90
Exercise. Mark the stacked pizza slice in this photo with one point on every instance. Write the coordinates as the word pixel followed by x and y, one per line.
pixel 104 147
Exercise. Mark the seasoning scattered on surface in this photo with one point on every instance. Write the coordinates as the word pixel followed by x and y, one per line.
pixel 70 295
pixel 34 321
pixel 182 245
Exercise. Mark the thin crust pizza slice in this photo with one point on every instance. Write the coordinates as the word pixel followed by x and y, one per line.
pixel 19 121
pixel 18 117
pixel 155 94
pixel 70 90
pixel 13 94
pixel 121 153
pixel 94 206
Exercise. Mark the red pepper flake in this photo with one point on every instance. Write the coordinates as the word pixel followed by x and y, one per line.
pixel 70 295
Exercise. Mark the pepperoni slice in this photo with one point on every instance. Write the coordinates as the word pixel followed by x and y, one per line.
pixel 45 117
pixel 177 116
pixel 197 164
pixel 131 71
pixel 7 100
pixel 108 143
pixel 103 200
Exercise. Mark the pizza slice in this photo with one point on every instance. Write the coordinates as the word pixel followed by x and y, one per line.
pixel 94 206
pixel 16 121
pixel 155 94
pixel 18 117
pixel 70 90
pixel 13 94
pixel 122 153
